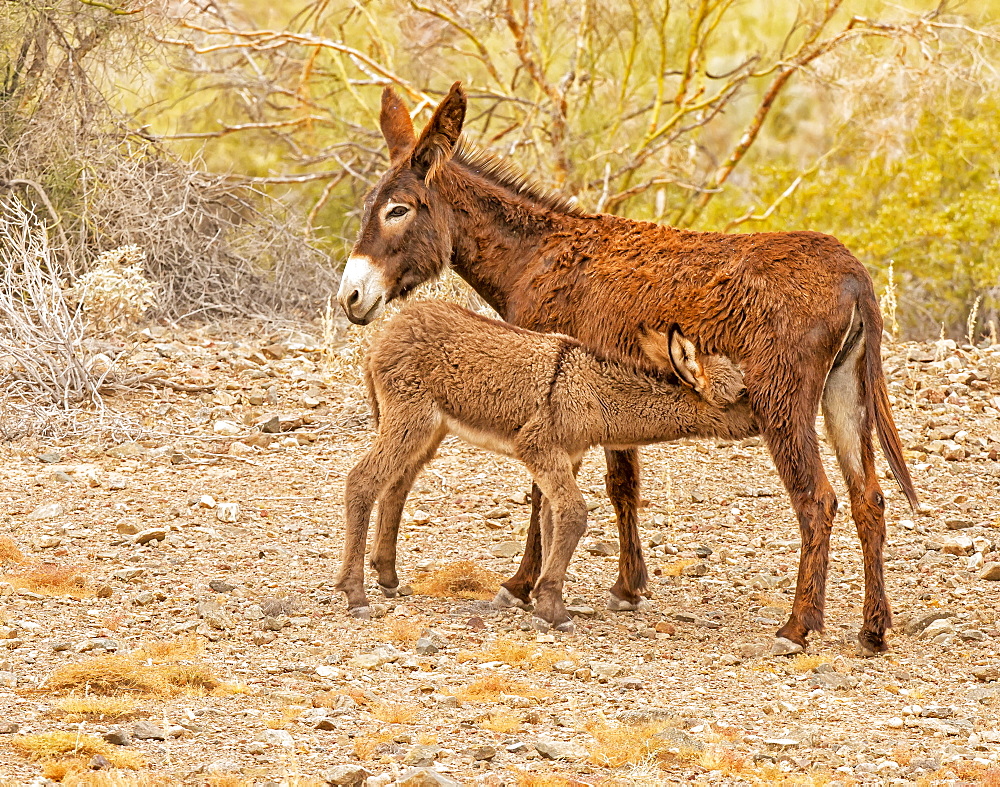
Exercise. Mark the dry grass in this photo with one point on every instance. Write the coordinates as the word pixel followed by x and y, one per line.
pixel 112 675
pixel 519 654
pixel 395 712
pixel 620 745
pixel 490 687
pixel 96 708
pixel 81 776
pixel 9 552
pixel 288 715
pixel 171 650
pixel 405 631
pixel 463 579
pixel 804 662
pixel 366 746
pixel 676 567
pixel 722 760
pixel 60 745
pixel 525 779
pixel 49 579
pixel 503 721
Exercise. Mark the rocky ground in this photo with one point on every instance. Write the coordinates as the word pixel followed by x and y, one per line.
pixel 167 604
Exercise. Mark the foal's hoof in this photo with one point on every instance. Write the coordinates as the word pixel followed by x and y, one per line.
pixel 543 626
pixel 361 613
pixel 504 599
pixel 785 647
pixel 871 644
pixel 397 591
pixel 616 604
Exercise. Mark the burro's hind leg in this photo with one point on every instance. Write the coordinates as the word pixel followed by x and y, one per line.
pixel 390 511
pixel 788 415
pixel 622 481
pixel 404 436
pixel 568 521
pixel 849 420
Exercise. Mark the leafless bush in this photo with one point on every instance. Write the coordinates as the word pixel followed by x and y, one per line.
pixel 41 336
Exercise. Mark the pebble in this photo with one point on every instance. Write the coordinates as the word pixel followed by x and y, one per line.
pixel 215 615
pixel 346 775
pixel 784 647
pixel 9 727
pixel 117 737
pixel 282 738
pixel 990 571
pixel 421 755
pixel 147 731
pixel 152 534
pixel 556 750
pixel 507 549
pixel 422 777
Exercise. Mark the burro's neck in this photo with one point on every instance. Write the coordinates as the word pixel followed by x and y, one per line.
pixel 495 234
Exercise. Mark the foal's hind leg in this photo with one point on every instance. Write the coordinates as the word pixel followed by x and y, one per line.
pixel 848 417
pixel 789 431
pixel 516 591
pixel 622 481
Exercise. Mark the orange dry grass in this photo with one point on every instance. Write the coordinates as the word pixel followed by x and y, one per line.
pixel 675 568
pixel 77 773
pixel 50 579
pixel 111 675
pixel 803 662
pixel 95 707
pixel 9 552
pixel 170 650
pixel 395 713
pixel 464 579
pixel 502 721
pixel 59 745
pixel 366 746
pixel 519 654
pixel 405 631
pixel 490 687
pixel 525 779
pixel 619 745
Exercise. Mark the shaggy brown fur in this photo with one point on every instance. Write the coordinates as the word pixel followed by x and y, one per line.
pixel 796 310
pixel 543 399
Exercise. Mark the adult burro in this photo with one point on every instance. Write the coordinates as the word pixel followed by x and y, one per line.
pixel 796 310
pixel 544 399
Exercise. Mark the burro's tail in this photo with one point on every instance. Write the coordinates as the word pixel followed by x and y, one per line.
pixel 875 384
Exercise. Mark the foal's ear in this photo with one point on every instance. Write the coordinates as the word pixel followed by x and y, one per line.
pixel 671 350
pixel 397 128
pixel 437 142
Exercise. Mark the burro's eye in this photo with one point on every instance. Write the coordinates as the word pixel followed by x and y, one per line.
pixel 397 212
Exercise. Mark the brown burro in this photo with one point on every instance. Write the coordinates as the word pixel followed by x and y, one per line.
pixel 543 399
pixel 795 310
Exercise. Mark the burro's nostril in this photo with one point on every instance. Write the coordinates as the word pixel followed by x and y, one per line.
pixel 354 297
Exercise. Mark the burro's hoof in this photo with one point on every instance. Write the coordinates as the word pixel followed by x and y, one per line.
pixel 543 626
pixel 504 599
pixel 567 627
pixel 616 604
pixel 871 644
pixel 361 613
pixel 393 592
pixel 785 647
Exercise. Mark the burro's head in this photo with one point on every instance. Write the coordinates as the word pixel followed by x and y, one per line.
pixel 405 235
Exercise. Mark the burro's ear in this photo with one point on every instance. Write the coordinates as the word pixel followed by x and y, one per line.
pixel 670 350
pixel 440 135
pixel 397 128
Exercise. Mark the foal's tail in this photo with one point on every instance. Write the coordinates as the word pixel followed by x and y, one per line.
pixel 885 427
pixel 372 398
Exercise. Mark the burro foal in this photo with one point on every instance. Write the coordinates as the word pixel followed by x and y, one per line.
pixel 543 399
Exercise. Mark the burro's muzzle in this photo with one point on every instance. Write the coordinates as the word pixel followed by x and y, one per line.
pixel 362 290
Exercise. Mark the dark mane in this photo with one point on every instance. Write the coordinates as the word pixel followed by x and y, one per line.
pixel 505 174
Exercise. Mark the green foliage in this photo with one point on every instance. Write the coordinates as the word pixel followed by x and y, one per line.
pixel 932 208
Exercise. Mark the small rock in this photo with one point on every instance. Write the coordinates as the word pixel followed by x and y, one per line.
pixel 958 545
pixel 919 622
pixel 50 457
pixel 425 777
pixel 605 669
pixel 506 549
pixel 152 534
pixel 942 626
pixel 99 762
pixel 421 756
pixel 46 511
pixel 483 752
pixel 8 680
pixel 215 615
pixel 346 775
pixel 263 637
pixel 127 528
pixel 9 727
pixel 221 586
pixel 117 737
pixel 602 548
pixel 425 647
pixel 282 738
pixel 556 750
pixel 990 571
pixel 784 647
pixel 227 512
pixel 227 428
pixel 987 673
pixel 147 731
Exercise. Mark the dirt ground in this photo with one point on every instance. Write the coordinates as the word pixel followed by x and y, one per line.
pixel 167 602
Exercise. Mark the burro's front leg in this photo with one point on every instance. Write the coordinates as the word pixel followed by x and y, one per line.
pixel 566 521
